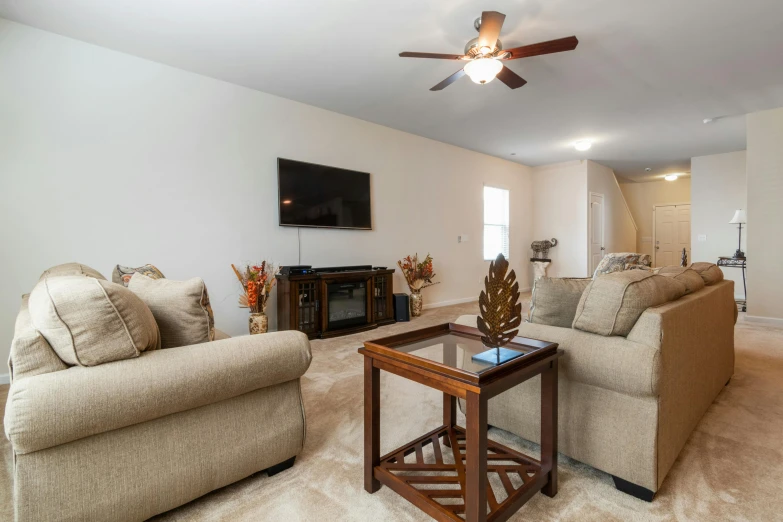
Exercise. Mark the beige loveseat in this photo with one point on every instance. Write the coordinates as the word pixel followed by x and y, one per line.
pixel 129 439
pixel 627 405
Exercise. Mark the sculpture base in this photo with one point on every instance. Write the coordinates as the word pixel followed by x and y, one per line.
pixel 496 356
pixel 539 268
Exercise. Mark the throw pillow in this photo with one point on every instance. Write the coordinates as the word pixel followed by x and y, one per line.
pixel 554 300
pixel 91 321
pixel 618 262
pixel 709 272
pixel 181 309
pixel 692 280
pixel 68 269
pixel 122 274
pixel 613 303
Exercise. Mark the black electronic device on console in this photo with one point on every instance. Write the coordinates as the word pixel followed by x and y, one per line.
pixel 379 268
pixel 330 269
pixel 402 307
pixel 297 270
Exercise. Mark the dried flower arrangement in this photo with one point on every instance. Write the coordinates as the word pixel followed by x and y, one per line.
pixel 257 282
pixel 418 275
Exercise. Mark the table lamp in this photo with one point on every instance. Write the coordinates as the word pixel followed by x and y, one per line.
pixel 740 218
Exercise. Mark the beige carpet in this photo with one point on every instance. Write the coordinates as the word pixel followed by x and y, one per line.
pixel 730 469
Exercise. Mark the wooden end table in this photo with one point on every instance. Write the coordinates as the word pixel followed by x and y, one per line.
pixel 445 485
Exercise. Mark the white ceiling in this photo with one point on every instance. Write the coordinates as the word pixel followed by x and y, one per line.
pixel 645 74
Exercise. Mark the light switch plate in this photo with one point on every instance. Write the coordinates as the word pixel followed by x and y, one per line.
pixel 462 238
pixel 702 237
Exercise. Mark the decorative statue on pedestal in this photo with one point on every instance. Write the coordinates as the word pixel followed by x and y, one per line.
pixel 541 249
pixel 540 259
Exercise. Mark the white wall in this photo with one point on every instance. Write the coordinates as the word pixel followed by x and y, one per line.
pixel 107 158
pixel 718 189
pixel 765 214
pixel 619 226
pixel 641 197
pixel 560 211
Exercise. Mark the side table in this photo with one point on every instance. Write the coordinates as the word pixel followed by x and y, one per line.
pixel 737 262
pixel 447 484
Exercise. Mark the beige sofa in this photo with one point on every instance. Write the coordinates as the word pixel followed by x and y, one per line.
pixel 129 439
pixel 627 405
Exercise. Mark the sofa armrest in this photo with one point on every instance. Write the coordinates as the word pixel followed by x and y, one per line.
pixel 55 408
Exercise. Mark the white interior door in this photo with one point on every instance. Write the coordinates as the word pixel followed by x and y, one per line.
pixel 597 249
pixel 672 234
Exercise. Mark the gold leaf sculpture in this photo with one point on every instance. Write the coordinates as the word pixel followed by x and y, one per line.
pixel 501 312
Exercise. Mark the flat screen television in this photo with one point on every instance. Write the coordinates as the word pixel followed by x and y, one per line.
pixel 313 195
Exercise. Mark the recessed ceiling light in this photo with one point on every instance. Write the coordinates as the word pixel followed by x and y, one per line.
pixel 513 153
pixel 583 145
pixel 671 177
pixel 648 169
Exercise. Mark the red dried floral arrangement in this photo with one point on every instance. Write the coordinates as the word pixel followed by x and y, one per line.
pixel 418 275
pixel 257 282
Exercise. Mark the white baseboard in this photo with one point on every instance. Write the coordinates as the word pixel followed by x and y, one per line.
pixel 772 321
pixel 5 378
pixel 461 300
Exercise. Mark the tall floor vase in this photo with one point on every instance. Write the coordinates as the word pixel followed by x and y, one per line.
pixel 417 303
pixel 258 323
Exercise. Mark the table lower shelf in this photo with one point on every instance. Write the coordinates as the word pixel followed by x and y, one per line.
pixel 434 480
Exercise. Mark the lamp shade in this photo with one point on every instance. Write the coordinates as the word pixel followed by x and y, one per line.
pixel 739 217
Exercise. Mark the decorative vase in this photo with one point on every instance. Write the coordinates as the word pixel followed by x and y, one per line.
pixel 416 303
pixel 258 323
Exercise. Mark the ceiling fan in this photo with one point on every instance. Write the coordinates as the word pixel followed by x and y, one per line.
pixel 485 53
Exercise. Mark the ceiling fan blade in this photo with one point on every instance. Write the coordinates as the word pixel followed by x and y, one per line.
pixel 434 55
pixel 491 23
pixel 448 81
pixel 510 78
pixel 552 46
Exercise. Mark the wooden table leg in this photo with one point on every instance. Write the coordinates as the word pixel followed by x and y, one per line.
pixel 372 425
pixel 449 401
pixel 476 459
pixel 549 427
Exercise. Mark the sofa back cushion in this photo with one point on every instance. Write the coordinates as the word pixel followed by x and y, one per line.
pixel 71 269
pixel 709 272
pixel 554 300
pixel 90 321
pixel 612 303
pixel 692 280
pixel 30 353
pixel 181 309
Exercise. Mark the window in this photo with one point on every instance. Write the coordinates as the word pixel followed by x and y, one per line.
pixel 495 222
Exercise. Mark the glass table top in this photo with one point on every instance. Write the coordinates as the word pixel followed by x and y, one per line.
pixel 460 351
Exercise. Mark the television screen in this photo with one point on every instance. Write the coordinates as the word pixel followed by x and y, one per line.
pixel 319 196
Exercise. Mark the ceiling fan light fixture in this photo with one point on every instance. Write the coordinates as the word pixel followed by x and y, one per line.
pixel 483 70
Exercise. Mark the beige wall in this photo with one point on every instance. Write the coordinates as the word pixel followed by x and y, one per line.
pixel 560 211
pixel 718 187
pixel 765 214
pixel 641 197
pixel 107 158
pixel 619 224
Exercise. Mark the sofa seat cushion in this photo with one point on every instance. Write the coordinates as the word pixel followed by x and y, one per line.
pixel 71 269
pixel 30 353
pixel 181 309
pixel 60 407
pixel 90 321
pixel 612 303
pixel 613 363
pixel 709 272
pixel 554 300
pixel 692 280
